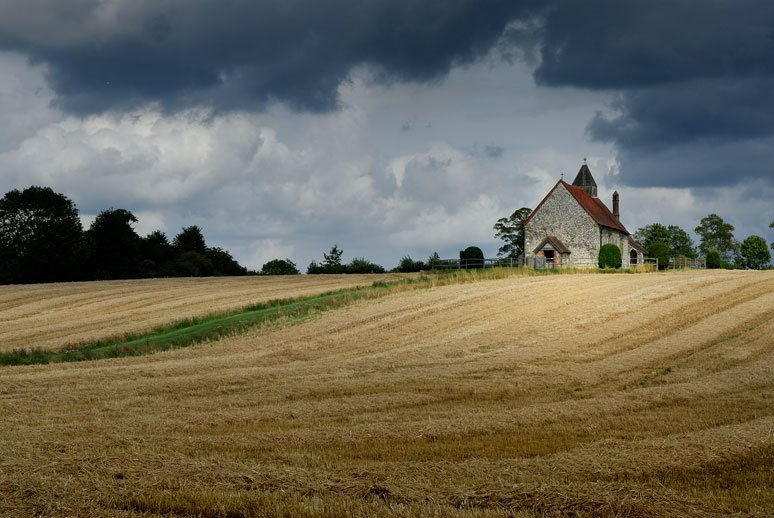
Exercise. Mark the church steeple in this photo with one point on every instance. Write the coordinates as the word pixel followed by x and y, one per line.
pixel 585 180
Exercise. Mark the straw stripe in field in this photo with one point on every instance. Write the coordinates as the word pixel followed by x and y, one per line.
pixel 622 395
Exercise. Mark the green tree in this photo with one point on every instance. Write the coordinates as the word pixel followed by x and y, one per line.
pixel 191 253
pixel 41 237
pixel 193 264
pixel 116 245
pixel 331 263
pixel 511 231
pixel 680 243
pixel 434 260
pixel 190 239
pixel 754 253
pixel 609 256
pixel 716 234
pixel 332 260
pixel 660 250
pixel 223 263
pixel 653 233
pixel 279 267
pixel 158 255
pixel 713 259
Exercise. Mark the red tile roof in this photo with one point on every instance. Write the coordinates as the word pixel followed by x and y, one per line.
pixel 595 208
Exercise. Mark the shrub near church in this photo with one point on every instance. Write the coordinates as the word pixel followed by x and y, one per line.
pixel 609 256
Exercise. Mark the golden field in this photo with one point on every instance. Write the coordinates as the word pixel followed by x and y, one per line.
pixel 588 394
pixel 50 316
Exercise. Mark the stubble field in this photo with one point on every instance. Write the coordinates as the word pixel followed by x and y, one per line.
pixel 50 316
pixel 588 394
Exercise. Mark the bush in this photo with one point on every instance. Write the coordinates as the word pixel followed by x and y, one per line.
pixel 362 265
pixel 471 257
pixel 713 259
pixel 407 264
pixel 279 267
pixel 609 256
pixel 314 268
pixel 660 250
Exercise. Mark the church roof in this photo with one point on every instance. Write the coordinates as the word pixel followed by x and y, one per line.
pixel 594 206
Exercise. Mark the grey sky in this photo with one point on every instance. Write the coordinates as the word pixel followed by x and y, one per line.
pixel 390 128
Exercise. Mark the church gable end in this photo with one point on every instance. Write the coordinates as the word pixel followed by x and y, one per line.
pixel 560 215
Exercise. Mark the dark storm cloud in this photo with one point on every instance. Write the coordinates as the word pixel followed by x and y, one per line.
pixel 717 108
pixel 236 54
pixel 613 44
pixel 686 75
pixel 694 83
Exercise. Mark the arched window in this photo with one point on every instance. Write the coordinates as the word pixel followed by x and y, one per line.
pixel 633 256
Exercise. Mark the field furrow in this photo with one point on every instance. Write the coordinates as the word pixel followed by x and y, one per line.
pixel 52 316
pixel 588 394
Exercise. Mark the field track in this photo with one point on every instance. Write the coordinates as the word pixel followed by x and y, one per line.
pixel 50 316
pixel 588 394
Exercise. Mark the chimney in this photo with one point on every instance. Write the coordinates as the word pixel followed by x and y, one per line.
pixel 616 212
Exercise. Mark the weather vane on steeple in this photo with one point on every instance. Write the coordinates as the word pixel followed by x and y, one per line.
pixel 561 176
pixel 584 159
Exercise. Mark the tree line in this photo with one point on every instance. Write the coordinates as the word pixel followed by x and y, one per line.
pixel 717 244
pixel 42 240
pixel 332 263
pixel 665 242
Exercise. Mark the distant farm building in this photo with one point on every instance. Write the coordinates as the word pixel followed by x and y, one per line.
pixel 571 224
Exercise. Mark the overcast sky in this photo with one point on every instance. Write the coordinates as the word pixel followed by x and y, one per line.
pixel 388 127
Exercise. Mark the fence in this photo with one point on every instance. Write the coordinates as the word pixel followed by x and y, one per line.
pixel 685 263
pixel 680 263
pixel 458 264
pixel 540 263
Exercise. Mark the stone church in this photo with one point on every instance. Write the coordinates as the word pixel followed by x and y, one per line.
pixel 571 224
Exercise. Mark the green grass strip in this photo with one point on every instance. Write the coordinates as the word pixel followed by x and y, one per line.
pixel 197 330
pixel 192 331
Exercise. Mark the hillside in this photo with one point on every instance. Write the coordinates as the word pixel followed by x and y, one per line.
pixel 634 395
pixel 50 316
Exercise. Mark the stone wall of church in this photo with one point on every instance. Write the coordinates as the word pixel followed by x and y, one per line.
pixel 562 216
pixel 622 242
pixel 618 239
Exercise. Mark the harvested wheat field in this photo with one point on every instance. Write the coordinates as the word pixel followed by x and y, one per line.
pixel 588 394
pixel 50 316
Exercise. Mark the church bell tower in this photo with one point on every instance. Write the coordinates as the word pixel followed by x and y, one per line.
pixel 586 181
